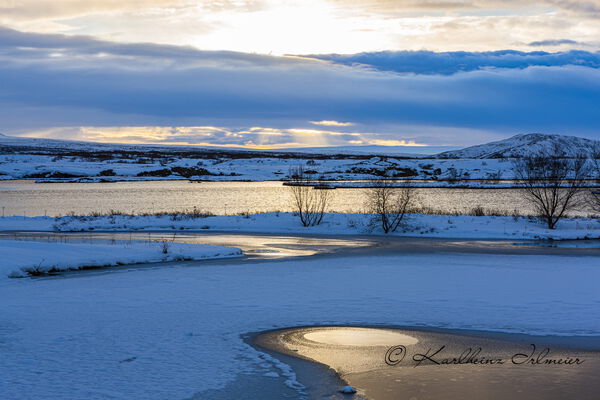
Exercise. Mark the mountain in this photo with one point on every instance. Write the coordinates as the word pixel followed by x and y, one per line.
pixel 520 145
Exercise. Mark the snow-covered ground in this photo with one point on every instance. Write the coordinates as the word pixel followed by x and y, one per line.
pixel 56 160
pixel 417 225
pixel 48 168
pixel 170 333
pixel 22 258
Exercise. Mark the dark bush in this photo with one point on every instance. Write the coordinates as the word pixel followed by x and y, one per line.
pixel 191 171
pixel 403 172
pixel 156 172
pixel 107 172
pixel 54 175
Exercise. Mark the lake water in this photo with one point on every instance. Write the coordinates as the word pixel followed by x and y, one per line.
pixel 53 199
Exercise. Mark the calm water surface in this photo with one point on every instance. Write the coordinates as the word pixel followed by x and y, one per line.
pixel 53 199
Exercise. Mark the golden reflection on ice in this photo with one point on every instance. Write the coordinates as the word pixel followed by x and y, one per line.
pixel 345 349
pixel 359 337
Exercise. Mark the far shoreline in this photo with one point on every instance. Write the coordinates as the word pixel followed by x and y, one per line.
pixel 334 184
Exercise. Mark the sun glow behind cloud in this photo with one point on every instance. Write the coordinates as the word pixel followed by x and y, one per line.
pixel 251 138
pixel 318 26
pixel 331 123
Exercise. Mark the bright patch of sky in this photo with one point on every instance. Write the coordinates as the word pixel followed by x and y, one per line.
pixel 255 137
pixel 316 26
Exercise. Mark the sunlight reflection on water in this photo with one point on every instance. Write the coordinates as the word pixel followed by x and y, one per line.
pixel 53 199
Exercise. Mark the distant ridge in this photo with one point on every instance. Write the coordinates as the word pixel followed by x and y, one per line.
pixel 521 145
pixel 516 146
pixel 375 150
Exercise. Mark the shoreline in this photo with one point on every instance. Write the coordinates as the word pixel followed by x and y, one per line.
pixel 319 380
pixel 31 258
pixel 331 184
pixel 364 368
pixel 447 226
pixel 323 245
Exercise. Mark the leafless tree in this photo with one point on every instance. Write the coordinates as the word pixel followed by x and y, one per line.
pixel 309 203
pixel 389 203
pixel 552 182
pixel 594 194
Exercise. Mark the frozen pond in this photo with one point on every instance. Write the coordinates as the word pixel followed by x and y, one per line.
pixel 34 199
pixel 184 322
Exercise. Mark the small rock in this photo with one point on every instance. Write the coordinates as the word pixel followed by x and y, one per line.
pixel 348 390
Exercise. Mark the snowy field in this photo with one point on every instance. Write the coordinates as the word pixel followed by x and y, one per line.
pixel 170 333
pixel 417 225
pixel 23 258
pixel 60 160
pixel 77 169
pixel 56 160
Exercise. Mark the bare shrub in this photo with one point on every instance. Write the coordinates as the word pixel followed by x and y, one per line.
pixel 36 270
pixel 478 211
pixel 389 204
pixel 310 204
pixel 594 200
pixel 494 176
pixel 454 175
pixel 552 183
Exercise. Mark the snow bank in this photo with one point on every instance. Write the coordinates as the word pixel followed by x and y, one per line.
pixel 417 225
pixel 22 258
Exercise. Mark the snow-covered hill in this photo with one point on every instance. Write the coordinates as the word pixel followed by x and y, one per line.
pixel 520 145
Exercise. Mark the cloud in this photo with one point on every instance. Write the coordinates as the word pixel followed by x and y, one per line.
pixel 331 123
pixel 554 42
pixel 446 63
pixel 252 137
pixel 383 142
pixel 65 9
pixel 280 26
pixel 22 46
pixel 211 136
pixel 99 83
pixel 387 6
pixel 588 8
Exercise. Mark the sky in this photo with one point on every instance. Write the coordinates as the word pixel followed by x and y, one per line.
pixel 275 74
